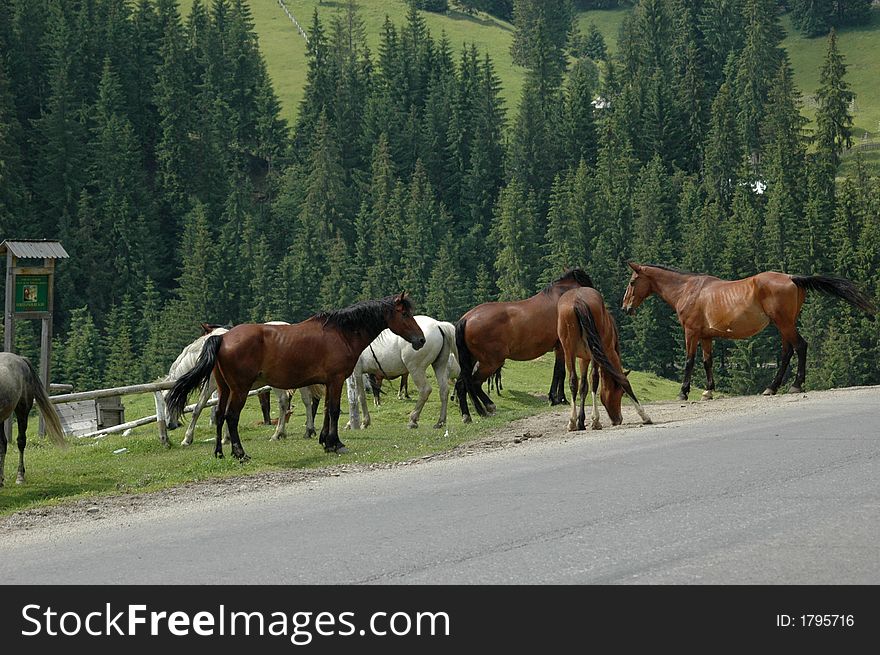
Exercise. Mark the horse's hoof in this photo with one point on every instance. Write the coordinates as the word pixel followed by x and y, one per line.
pixel 647 421
pixel 490 410
pixel 412 425
pixel 795 390
pixel 218 455
pixel 595 425
pixel 185 443
pixel 769 392
pixel 19 480
pixel 466 418
pixel 707 395
pixel 438 425
pixel 342 450
pixel 682 396
pixel 572 426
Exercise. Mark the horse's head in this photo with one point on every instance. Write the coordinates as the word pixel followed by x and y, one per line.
pixel 637 290
pixel 401 322
pixel 611 395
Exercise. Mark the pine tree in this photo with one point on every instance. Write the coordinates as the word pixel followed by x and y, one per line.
pixel 812 17
pixel 12 184
pixel 445 298
pixel 833 120
pixel 121 359
pixel 515 231
pixel 579 124
pixel 721 26
pixel 82 352
pixel 540 37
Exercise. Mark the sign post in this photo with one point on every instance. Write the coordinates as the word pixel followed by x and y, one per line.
pixel 30 294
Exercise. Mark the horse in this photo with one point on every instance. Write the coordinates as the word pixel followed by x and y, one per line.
pixel 186 360
pixel 389 356
pixel 20 386
pixel 323 349
pixel 711 308
pixel 493 332
pixel 588 334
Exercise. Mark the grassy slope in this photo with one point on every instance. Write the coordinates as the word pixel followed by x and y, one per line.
pixel 89 466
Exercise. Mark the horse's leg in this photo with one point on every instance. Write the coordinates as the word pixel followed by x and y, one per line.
pixel 690 343
pixel 461 393
pixel 595 423
pixel 787 351
pixel 800 348
pixel 571 367
pixel 233 414
pixel 441 371
pixel 403 390
pixel 265 401
pixel 331 418
pixel 22 415
pixel 220 416
pixel 707 364
pixel 362 399
pixel 307 401
pixel 487 401
pixel 207 389
pixel 424 387
pixel 283 410
pixel 584 390
pixel 557 384
pixel 2 451
pixel 325 428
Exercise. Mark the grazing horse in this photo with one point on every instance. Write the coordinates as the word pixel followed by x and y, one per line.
pixel 710 308
pixel 320 350
pixel 186 360
pixel 20 386
pixel 389 356
pixel 588 333
pixel 493 332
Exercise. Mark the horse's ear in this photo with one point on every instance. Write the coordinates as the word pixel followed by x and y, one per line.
pixel 634 266
pixel 626 372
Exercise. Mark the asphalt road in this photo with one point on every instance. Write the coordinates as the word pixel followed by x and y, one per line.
pixel 788 494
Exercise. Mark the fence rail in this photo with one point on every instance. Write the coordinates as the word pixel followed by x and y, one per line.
pixel 156 388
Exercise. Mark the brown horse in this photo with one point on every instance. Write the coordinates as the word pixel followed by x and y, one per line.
pixel 588 333
pixel 493 332
pixel 710 308
pixel 321 350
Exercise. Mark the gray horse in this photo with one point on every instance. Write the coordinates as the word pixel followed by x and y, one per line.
pixel 19 387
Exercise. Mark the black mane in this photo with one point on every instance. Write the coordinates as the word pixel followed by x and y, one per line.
pixel 577 274
pixel 369 314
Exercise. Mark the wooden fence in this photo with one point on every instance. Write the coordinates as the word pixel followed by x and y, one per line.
pixel 156 388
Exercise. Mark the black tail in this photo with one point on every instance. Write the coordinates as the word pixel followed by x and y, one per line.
pixel 194 378
pixel 837 286
pixel 466 362
pixel 594 342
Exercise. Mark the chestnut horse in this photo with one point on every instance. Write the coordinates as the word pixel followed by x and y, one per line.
pixel 587 332
pixel 710 308
pixel 320 350
pixel 493 332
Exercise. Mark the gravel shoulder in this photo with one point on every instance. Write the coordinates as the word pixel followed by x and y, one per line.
pixel 541 430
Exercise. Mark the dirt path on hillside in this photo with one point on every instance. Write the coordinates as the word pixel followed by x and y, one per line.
pixel 544 428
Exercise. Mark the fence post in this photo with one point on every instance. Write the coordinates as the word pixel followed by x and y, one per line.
pixel 160 419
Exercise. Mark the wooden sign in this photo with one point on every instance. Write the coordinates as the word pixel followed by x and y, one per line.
pixel 31 293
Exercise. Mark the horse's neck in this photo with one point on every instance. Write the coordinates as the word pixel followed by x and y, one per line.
pixel 669 285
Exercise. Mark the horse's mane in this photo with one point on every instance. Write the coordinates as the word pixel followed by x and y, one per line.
pixel 577 274
pixel 368 314
pixel 672 269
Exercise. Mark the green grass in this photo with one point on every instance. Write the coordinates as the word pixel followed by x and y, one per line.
pixel 285 49
pixel 90 468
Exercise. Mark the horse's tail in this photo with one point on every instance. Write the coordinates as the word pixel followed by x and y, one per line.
pixel 450 347
pixel 50 414
pixel 837 286
pixel 193 378
pixel 467 364
pixel 593 341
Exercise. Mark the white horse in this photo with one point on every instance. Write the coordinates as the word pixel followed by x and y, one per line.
pixel 187 360
pixel 391 356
